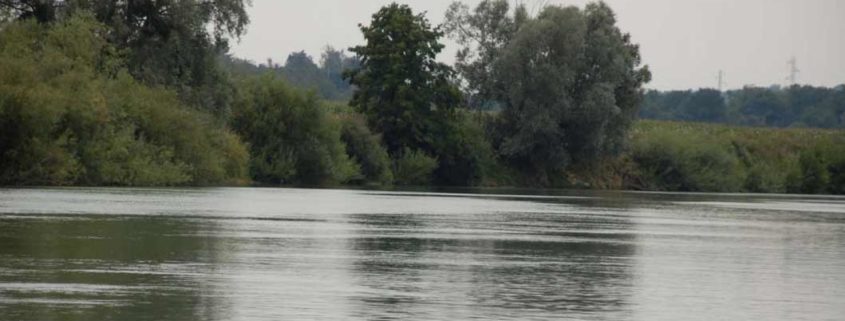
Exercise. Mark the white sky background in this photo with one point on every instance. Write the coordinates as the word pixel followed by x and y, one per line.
pixel 684 42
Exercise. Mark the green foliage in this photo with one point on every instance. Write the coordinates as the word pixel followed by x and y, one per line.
pixel 300 71
pixel 65 120
pixel 333 63
pixel 684 163
pixel 112 99
pixel 292 138
pixel 836 169
pixel 820 169
pixel 814 176
pixel 465 157
pixel 483 34
pixel 401 89
pixel 410 98
pixel 169 43
pixel 366 149
pixel 711 158
pixel 795 106
pixel 414 168
pixel 326 79
pixel 762 178
pixel 570 81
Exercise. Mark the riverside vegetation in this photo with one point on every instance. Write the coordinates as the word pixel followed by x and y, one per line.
pixel 145 94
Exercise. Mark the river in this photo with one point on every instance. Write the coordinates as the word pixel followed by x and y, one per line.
pixel 301 254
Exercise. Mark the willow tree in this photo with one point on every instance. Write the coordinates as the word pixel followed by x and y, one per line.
pixel 482 33
pixel 570 82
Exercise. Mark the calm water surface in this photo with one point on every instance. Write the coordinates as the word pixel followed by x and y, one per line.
pixel 291 254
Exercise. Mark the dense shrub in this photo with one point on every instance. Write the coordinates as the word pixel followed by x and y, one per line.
pixel 465 156
pixel 69 116
pixel 836 169
pixel 814 176
pixel 671 162
pixel 712 158
pixel 366 149
pixel 292 137
pixel 820 169
pixel 414 167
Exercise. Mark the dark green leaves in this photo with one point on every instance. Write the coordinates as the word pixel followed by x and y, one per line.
pixel 402 90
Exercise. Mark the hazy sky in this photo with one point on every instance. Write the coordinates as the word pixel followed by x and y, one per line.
pixel 685 42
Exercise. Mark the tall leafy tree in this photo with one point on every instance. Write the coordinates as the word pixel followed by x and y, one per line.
pixel 404 92
pixel 482 33
pixel 571 84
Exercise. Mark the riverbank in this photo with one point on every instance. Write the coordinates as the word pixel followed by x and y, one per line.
pixel 689 157
pixel 698 157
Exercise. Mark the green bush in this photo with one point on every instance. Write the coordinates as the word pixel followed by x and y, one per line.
pixel 292 138
pixel 820 169
pixel 814 176
pixel 837 175
pixel 674 155
pixel 763 177
pixel 668 161
pixel 366 149
pixel 834 156
pixel 414 167
pixel 465 157
pixel 69 116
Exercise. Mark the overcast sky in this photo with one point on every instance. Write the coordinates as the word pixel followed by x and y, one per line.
pixel 685 42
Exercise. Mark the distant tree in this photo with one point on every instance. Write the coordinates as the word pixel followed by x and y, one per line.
pixel 759 107
pixel 401 89
pixel 794 106
pixel 664 105
pixel 301 71
pixel 705 105
pixel 333 63
pixel 571 84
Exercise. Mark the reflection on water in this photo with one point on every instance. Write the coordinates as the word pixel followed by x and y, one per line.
pixel 98 268
pixel 274 254
pixel 515 266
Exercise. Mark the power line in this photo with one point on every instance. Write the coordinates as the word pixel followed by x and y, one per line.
pixel 793 71
pixel 721 79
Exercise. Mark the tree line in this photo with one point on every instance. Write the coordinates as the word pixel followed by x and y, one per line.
pixel 793 106
pixel 324 77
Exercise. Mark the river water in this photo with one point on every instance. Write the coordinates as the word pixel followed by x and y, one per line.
pixel 297 254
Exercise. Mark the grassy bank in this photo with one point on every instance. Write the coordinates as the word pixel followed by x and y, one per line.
pixel 680 156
